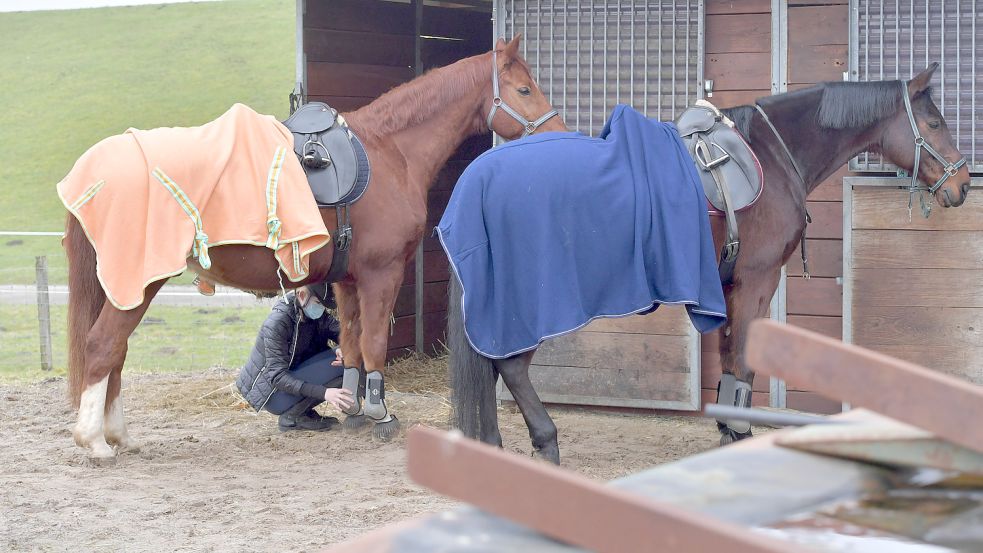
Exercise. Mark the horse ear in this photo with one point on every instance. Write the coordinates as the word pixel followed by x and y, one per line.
pixel 921 81
pixel 512 48
pixel 500 44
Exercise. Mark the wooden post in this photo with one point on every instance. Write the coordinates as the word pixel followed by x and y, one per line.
pixel 44 310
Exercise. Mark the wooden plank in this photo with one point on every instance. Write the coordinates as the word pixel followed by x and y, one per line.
pixel 816 296
pixel 636 354
pixel 818 63
pixel 910 393
pixel 434 298
pixel 581 512
pixel 327 45
pixel 668 320
pixel 831 189
pixel 827 220
pixel 710 396
pixel 812 402
pixel 827 326
pixel 737 6
pixel 813 26
pixel 881 287
pixel 370 16
pixel 457 23
pixel 902 249
pixel 580 386
pixel 887 208
pixel 917 326
pixel 351 79
pixel 732 98
pixel 965 361
pixel 343 104
pixel 403 334
pixel 825 258
pixel 738 33
pixel 739 71
pixel 796 3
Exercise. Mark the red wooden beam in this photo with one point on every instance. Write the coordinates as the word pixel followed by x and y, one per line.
pixel 566 506
pixel 941 404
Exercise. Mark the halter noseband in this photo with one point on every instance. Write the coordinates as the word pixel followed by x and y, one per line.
pixel 497 102
pixel 950 168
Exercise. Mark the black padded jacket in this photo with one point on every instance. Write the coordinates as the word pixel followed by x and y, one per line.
pixel 286 339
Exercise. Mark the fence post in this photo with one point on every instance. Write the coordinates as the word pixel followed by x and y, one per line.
pixel 44 310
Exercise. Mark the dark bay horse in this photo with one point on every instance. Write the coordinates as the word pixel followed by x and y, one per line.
pixel 815 132
pixel 408 134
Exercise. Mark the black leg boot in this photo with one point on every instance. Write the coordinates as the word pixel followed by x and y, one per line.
pixel 302 416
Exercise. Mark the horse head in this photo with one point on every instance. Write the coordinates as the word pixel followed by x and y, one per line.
pixel 517 107
pixel 918 140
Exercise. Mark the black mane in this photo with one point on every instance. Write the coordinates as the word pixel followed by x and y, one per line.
pixel 741 116
pixel 850 105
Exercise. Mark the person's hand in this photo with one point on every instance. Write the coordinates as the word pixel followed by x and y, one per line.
pixel 339 397
pixel 339 360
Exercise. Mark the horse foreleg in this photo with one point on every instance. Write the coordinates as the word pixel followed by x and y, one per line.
pixel 346 295
pixel 542 430
pixel 747 300
pixel 376 298
pixel 100 408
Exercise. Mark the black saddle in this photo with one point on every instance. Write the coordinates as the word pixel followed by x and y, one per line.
pixel 332 156
pixel 337 170
pixel 729 170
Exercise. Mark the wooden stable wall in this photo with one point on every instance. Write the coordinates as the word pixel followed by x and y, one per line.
pixel 916 287
pixel 356 50
pixel 738 60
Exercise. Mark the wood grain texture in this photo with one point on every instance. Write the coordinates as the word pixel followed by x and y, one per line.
pixel 738 33
pixel 810 26
pixel 902 249
pixel 737 6
pixel 917 288
pixel 327 45
pixel 815 296
pixel 351 79
pixel 825 258
pixel 739 71
pixel 818 63
pixel 954 327
pixel 669 320
pixel 887 208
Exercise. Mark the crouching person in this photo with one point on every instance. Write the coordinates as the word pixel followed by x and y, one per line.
pixel 292 367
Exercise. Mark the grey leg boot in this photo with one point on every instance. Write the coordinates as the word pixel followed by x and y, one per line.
pixel 303 417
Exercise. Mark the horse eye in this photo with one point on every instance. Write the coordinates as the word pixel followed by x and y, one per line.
pixel 933 124
pixel 525 91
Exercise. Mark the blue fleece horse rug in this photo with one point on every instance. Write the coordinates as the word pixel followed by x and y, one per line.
pixel 554 230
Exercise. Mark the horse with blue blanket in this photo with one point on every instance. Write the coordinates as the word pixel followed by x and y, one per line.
pixel 546 233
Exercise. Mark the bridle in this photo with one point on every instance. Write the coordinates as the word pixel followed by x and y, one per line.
pixel 950 168
pixel 498 102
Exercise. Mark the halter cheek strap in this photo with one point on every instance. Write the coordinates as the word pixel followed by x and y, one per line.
pixel 497 102
pixel 950 168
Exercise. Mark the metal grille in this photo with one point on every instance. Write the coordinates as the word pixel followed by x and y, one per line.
pixel 895 39
pixel 589 55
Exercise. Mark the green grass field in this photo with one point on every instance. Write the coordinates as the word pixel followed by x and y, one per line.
pixel 72 78
pixel 170 338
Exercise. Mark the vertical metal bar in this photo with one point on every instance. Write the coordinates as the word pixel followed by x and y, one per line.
pixel 659 50
pixel 972 96
pixel 866 76
pixel 300 65
pixel 897 39
pixel 551 39
pixel 579 66
pixel 959 136
pixel 590 98
pixel 631 56
pixel 911 53
pixel 942 35
pixel 672 107
pixel 604 75
pixel 566 57
pixel 44 310
pixel 777 393
pixel 418 288
pixel 645 63
pixel 881 39
pixel 700 46
pixel 689 28
pixel 617 54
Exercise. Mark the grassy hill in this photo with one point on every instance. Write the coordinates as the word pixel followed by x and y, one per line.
pixel 71 78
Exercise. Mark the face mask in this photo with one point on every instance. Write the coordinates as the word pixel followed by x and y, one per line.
pixel 313 310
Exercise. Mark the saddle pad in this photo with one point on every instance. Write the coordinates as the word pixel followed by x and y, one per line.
pixel 150 199
pixel 551 231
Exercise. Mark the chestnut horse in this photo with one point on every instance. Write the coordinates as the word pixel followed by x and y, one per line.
pixel 800 138
pixel 408 134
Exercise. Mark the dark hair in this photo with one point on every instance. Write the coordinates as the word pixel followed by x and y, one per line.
pixel 323 292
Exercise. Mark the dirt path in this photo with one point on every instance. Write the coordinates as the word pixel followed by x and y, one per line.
pixel 212 476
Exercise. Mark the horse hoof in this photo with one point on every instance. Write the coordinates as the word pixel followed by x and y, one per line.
pixel 728 436
pixel 552 456
pixel 129 447
pixel 102 456
pixel 386 431
pixel 353 423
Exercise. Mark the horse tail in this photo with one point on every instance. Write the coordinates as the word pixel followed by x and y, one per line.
pixel 85 301
pixel 472 375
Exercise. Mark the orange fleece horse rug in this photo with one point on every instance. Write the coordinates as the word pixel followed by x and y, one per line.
pixel 150 200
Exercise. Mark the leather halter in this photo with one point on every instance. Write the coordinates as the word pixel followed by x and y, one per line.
pixel 950 168
pixel 497 102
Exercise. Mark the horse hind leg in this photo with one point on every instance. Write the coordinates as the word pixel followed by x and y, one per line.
pixel 100 407
pixel 542 430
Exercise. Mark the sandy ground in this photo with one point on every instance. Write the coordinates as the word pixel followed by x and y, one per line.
pixel 213 476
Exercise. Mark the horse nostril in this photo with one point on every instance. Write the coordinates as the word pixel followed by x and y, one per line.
pixel 965 188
